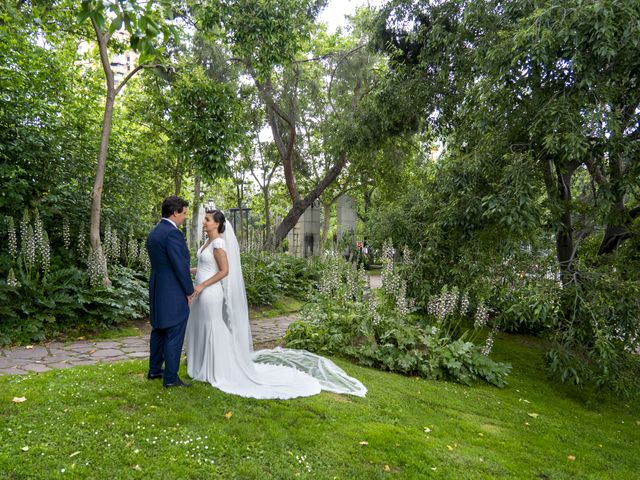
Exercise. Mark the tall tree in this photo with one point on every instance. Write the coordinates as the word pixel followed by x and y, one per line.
pixel 144 25
pixel 273 42
pixel 550 86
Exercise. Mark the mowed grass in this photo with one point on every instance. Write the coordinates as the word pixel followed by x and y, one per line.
pixel 109 422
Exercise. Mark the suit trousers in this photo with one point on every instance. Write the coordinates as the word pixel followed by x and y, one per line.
pixel 166 347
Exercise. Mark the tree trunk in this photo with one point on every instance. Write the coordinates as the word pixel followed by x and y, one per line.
pixel 194 234
pixel 617 229
pixel 565 248
pixel 299 206
pixel 289 221
pixel 267 216
pixel 558 183
pixel 98 185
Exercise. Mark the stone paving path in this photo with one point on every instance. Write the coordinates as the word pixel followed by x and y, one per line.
pixel 49 356
pixel 375 281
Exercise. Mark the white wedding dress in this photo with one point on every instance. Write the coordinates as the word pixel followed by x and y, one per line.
pixel 219 346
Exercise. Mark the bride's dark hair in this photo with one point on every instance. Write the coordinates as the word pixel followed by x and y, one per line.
pixel 218 217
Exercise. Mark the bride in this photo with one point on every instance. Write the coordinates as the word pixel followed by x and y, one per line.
pixel 219 346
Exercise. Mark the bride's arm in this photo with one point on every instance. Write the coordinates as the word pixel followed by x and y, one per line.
pixel 223 265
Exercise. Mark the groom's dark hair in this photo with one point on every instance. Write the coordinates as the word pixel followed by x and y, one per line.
pixel 173 204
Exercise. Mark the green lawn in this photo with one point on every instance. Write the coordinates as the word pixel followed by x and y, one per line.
pixel 108 422
pixel 282 306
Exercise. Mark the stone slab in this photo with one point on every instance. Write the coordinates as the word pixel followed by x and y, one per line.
pixel 36 367
pixel 59 365
pixel 31 353
pixel 109 352
pixel 12 371
pixel 138 354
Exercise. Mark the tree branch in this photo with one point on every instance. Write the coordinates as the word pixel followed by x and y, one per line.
pixel 331 175
pixel 133 72
pixel 104 55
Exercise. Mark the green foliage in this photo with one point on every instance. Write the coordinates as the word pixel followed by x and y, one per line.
pixel 529 307
pixel 599 342
pixel 34 311
pixel 269 33
pixel 143 22
pixel 269 276
pixel 376 329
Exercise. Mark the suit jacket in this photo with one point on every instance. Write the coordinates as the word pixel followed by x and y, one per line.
pixel 170 281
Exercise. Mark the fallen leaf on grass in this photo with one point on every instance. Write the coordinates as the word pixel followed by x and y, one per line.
pixel 481 434
pixel 19 399
pixel 25 449
pixel 572 458
pixel 137 467
pixel 533 415
pixel 387 468
pixel 364 442
pixel 450 448
pixel 427 430
pixel 228 415
pixel 74 454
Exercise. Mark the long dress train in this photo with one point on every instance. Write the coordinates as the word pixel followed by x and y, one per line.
pixel 221 356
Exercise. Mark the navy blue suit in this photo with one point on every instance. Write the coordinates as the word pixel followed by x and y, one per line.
pixel 169 286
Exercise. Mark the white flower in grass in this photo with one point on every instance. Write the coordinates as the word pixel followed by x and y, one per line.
pixel 402 305
pixel 406 255
pixel 464 304
pixel 97 267
pixel 143 257
pixel 106 245
pixel 82 242
pixel 45 252
pixel 29 247
pixel 38 235
pixel 66 233
pixel 132 249
pixel 13 239
pixel 11 279
pixel 482 316
pixel 114 248
pixel 488 344
pixel 373 310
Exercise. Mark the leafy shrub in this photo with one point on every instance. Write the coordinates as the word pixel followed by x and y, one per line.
pixel 598 339
pixel 378 329
pixel 34 310
pixel 531 307
pixel 268 276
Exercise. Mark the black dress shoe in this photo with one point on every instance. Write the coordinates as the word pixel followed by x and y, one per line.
pixel 179 383
pixel 154 376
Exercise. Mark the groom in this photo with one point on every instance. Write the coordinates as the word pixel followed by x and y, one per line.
pixel 170 290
